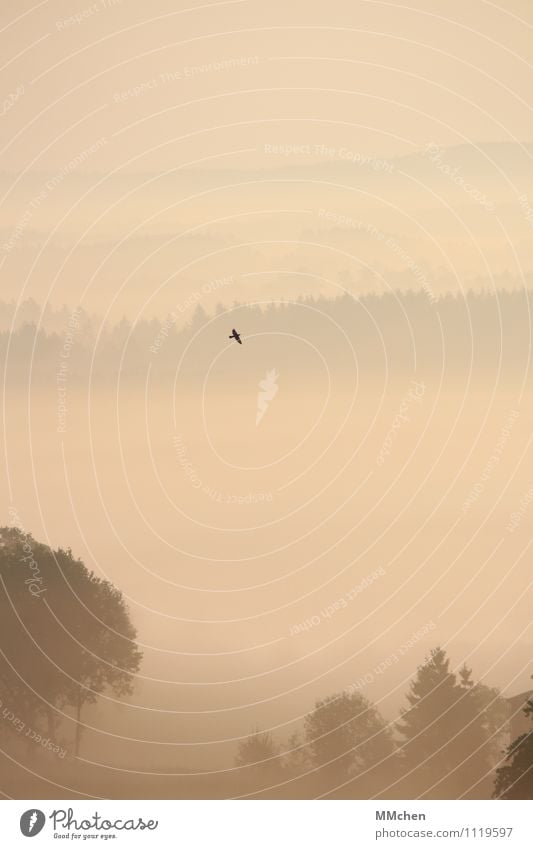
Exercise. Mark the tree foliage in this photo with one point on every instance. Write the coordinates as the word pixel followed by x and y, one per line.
pixel 450 731
pixel 514 780
pixel 65 634
pixel 260 755
pixel 346 735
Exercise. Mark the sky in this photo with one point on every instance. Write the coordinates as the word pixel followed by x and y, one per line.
pixel 129 137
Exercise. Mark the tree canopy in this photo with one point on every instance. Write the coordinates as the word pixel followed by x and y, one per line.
pixel 65 633
pixel 514 780
pixel 347 737
pixel 450 731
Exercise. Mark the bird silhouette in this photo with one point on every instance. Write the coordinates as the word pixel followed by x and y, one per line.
pixel 236 336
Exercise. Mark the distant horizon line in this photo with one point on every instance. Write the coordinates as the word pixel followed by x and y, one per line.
pixel 477 292
pixel 320 160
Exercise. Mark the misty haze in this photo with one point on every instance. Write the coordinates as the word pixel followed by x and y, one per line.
pixel 298 567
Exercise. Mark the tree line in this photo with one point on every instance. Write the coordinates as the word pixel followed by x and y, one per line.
pixel 449 743
pixel 66 639
pixel 481 328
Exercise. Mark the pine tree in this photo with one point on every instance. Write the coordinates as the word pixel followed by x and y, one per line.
pixel 428 726
pixel 450 731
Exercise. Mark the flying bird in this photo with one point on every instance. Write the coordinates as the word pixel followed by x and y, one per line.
pixel 236 336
